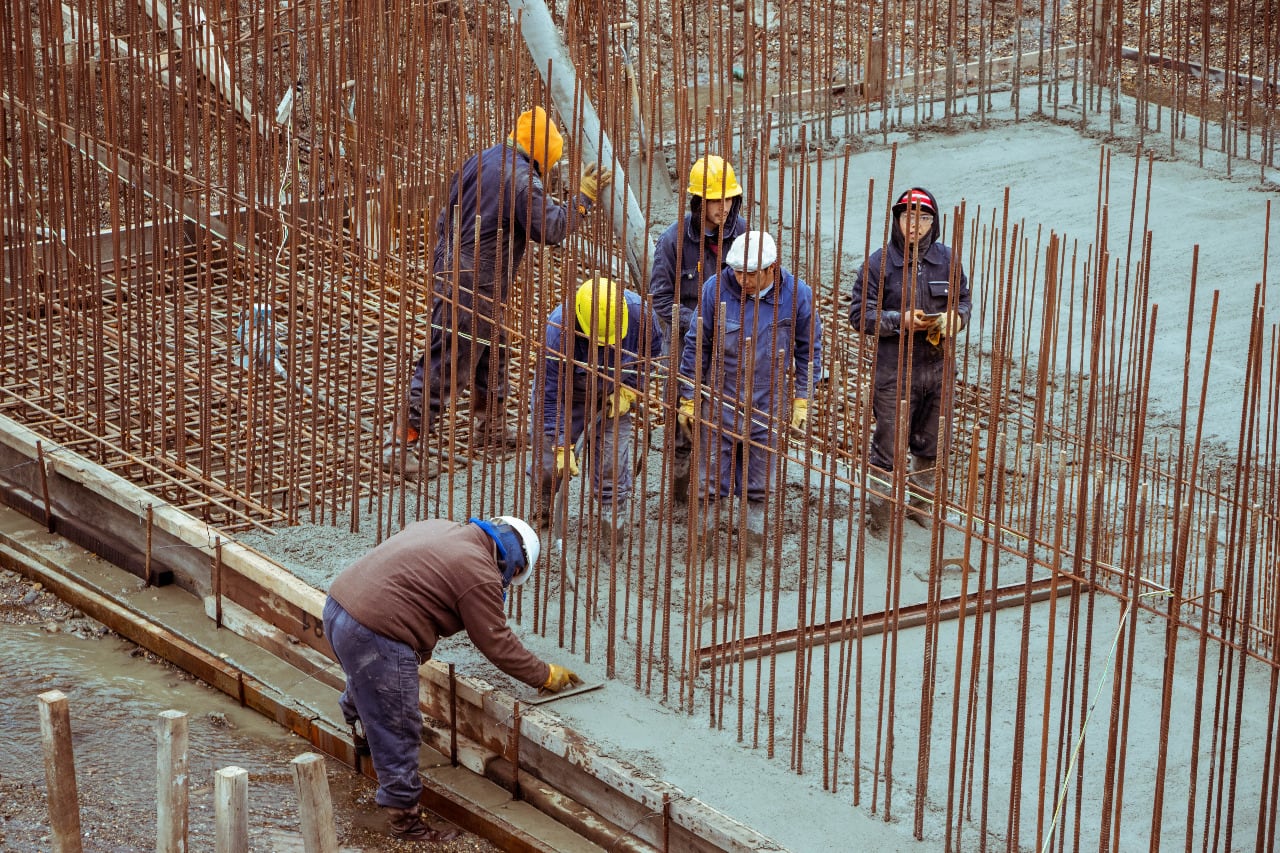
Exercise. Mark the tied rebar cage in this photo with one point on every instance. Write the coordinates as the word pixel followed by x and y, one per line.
pixel 219 229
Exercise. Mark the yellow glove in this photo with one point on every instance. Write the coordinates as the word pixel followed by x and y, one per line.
pixel 619 402
pixel 559 678
pixel 686 415
pixel 799 413
pixel 566 459
pixel 946 326
pixel 594 179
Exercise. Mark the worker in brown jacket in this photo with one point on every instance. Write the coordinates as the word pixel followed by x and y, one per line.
pixel 384 615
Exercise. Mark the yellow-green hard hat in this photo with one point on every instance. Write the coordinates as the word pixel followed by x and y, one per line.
pixel 713 178
pixel 601 310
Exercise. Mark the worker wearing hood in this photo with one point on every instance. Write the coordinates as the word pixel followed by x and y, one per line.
pixel 914 299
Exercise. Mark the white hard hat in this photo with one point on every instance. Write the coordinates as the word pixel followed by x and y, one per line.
pixel 528 540
pixel 754 250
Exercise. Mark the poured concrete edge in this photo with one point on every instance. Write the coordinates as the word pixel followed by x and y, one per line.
pixel 237 584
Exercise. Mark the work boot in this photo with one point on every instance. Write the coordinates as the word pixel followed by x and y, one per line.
pixel 613 529
pixel 409 825
pixel 877 521
pixel 920 482
pixel 494 434
pixel 755 527
pixel 399 458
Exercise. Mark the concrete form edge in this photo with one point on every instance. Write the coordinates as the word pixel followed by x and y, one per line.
pixel 536 726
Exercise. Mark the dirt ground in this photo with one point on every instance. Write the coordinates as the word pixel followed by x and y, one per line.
pixel 116 690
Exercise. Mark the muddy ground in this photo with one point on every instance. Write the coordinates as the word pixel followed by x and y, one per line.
pixel 116 690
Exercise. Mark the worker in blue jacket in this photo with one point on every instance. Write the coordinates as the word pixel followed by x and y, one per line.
pixel 914 298
pixel 590 382
pixel 689 252
pixel 498 203
pixel 751 394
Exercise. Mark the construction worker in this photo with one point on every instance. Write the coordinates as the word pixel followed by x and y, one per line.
pixel 386 611
pixel 590 381
pixel 757 371
pixel 498 203
pixel 912 297
pixel 688 253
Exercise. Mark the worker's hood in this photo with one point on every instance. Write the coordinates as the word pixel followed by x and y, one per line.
pixel 935 232
pixel 510 551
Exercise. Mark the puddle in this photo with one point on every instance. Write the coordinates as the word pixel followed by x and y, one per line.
pixel 115 693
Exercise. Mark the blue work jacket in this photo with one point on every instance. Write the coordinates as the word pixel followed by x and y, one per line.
pixel 591 371
pixel 783 319
pixel 878 304
pixel 501 186
pixel 680 279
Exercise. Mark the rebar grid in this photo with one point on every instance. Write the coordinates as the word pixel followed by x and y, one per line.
pixel 151 199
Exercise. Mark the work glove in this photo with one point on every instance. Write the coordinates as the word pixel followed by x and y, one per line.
pixel 594 179
pixel 799 413
pixel 619 402
pixel 560 678
pixel 946 326
pixel 686 414
pixel 566 459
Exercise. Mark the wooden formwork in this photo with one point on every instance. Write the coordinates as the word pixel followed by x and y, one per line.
pixel 252 597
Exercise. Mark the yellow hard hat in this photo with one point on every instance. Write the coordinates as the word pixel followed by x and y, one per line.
pixel 539 137
pixel 713 178
pixel 599 303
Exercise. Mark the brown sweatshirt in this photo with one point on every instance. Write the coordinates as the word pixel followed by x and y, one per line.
pixel 431 580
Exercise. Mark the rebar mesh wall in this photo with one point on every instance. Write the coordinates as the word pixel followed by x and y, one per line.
pixel 158 184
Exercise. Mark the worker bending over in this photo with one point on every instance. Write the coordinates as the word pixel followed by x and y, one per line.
pixel 757 366
pixel 914 299
pixel 498 204
pixel 689 252
pixel 386 612
pixel 588 384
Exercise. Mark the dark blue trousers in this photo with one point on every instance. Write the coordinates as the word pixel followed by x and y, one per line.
pixel 382 693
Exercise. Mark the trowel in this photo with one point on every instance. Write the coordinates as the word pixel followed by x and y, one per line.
pixel 544 698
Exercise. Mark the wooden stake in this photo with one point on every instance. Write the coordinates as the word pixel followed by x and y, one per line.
pixel 59 772
pixel 315 810
pixel 231 810
pixel 171 783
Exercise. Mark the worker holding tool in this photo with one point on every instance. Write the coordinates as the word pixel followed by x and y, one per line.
pixel 689 252
pixel 386 611
pixel 589 386
pixel 915 299
pixel 758 370
pixel 496 205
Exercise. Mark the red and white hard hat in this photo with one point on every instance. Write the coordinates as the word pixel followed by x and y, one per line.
pixel 914 197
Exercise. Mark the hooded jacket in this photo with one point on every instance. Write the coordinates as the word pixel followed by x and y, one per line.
pixel 885 288
pixel 592 368
pixel 502 186
pixel 680 279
